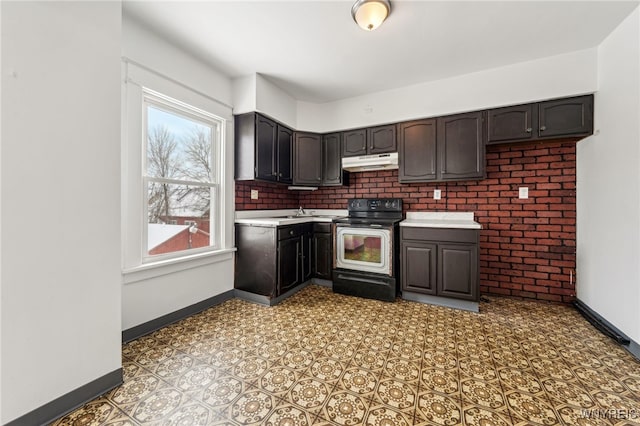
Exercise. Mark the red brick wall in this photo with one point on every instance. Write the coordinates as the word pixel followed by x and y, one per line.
pixel 527 247
pixel 270 196
pixel 182 241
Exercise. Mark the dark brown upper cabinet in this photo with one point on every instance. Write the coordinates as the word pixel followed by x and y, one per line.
pixel 354 143
pixel 373 140
pixel 307 154
pixel 442 149
pixel 332 159
pixel 285 154
pixel 461 146
pixel 566 117
pixel 318 160
pixel 263 149
pixel 417 151
pixel 382 139
pixel 510 123
pixel 560 118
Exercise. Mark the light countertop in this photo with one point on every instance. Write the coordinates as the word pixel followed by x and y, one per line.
pixel 286 217
pixel 461 220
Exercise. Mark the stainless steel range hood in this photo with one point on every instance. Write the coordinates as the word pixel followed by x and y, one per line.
pixel 371 162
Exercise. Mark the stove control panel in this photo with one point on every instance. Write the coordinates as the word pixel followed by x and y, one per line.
pixel 375 205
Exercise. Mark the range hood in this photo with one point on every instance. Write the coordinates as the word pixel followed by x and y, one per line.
pixel 371 162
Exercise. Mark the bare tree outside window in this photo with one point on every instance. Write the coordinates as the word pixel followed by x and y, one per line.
pixel 180 181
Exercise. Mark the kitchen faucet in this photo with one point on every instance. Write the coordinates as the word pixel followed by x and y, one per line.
pixel 301 211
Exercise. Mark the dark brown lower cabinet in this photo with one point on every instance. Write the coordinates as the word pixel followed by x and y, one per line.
pixel 322 251
pixel 440 262
pixel 289 266
pixel 419 266
pixel 458 271
pixel 271 261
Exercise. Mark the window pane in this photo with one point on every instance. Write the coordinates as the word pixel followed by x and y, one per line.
pixel 362 248
pixel 178 147
pixel 178 217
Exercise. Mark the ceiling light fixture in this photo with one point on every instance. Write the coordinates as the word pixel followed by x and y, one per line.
pixel 370 14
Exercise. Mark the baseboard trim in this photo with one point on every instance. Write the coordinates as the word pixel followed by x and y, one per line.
pixel 67 403
pixel 447 302
pixel 606 328
pixel 155 324
pixel 266 300
pixel 323 283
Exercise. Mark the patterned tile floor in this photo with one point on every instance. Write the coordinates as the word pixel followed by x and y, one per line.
pixel 324 359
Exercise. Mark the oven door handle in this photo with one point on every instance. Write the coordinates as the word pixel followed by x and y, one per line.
pixel 364 280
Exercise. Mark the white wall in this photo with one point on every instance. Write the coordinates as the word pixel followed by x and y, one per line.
pixel 558 76
pixel 608 174
pixel 147 48
pixel 149 293
pixel 257 93
pixel 275 102
pixel 60 199
pixel 244 94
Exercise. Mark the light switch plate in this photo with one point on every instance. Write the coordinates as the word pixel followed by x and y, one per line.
pixel 254 194
pixel 523 192
pixel 437 194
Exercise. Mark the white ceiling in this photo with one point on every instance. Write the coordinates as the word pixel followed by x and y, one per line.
pixel 314 51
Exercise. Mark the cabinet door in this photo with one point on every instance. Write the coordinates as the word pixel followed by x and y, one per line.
pixel 322 255
pixel 256 260
pixel 417 151
pixel 458 271
pixel 307 163
pixel 289 272
pixel 307 255
pixel 354 143
pixel 285 151
pixel 332 159
pixel 566 117
pixel 461 146
pixel 418 267
pixel 266 138
pixel 510 124
pixel 382 139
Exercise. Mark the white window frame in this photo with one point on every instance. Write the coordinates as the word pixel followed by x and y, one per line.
pixel 136 80
pixel 217 124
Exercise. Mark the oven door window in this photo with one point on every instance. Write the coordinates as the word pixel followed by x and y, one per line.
pixel 363 249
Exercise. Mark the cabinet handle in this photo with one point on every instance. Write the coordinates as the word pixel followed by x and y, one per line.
pixel 543 128
pixel 279 174
pixel 364 147
pixel 291 232
pixel 318 178
pixel 528 129
pixel 274 174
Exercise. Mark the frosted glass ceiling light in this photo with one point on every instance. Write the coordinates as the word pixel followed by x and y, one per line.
pixel 370 14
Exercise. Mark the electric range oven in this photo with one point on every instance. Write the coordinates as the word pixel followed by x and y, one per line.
pixel 365 247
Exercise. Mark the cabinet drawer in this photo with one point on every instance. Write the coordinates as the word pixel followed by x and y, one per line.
pixel 322 227
pixel 285 232
pixel 439 234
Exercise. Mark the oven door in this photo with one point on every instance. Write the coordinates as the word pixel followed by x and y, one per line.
pixel 363 249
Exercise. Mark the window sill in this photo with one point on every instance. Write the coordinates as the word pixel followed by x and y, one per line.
pixel 170 266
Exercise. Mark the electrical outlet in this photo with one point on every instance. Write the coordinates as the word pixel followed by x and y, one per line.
pixel 437 194
pixel 254 194
pixel 523 192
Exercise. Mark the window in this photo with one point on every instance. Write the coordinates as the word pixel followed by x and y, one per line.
pixel 180 177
